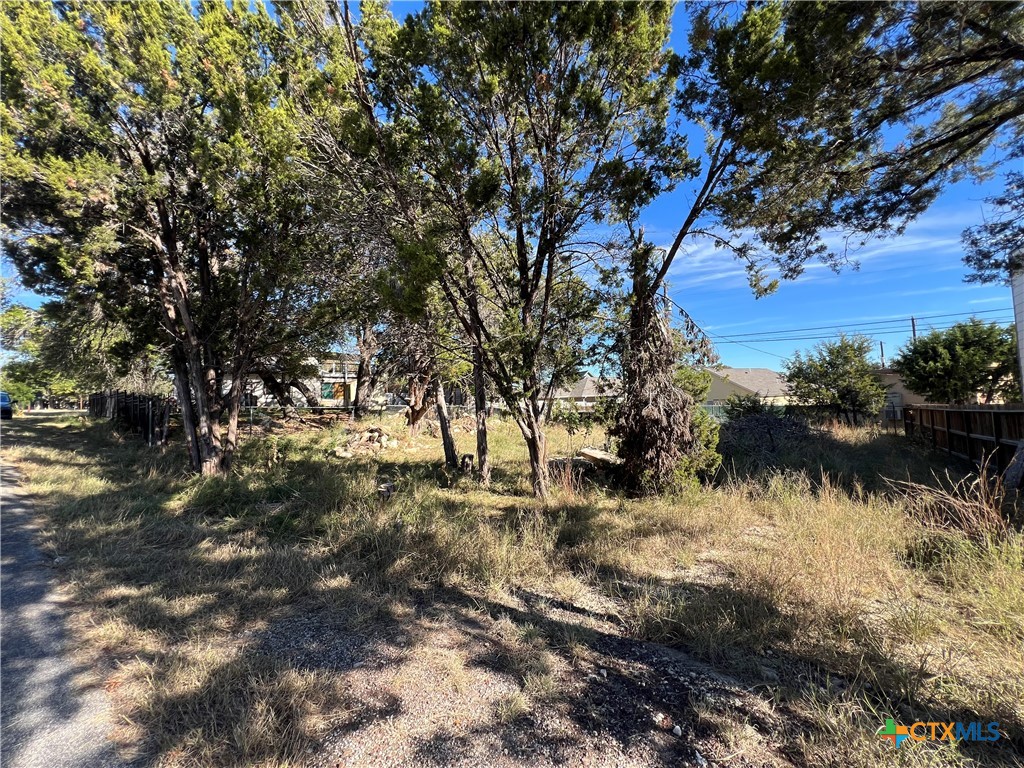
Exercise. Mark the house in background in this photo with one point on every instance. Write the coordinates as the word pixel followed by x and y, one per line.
pixel 334 383
pixel 767 384
pixel 586 393
pixel 897 394
pixel 337 382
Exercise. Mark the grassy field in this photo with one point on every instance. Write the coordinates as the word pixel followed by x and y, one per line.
pixel 833 595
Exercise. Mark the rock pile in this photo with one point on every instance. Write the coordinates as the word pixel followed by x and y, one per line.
pixel 371 439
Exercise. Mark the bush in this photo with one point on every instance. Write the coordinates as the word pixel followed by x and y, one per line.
pixel 738 406
pixel 568 416
pixel 760 440
pixel 701 461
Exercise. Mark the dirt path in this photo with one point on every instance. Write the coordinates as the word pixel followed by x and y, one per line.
pixel 49 720
pixel 437 692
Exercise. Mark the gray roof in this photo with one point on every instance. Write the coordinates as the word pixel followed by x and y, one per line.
pixel 588 387
pixel 764 381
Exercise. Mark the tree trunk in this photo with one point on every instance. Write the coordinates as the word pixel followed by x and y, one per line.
pixel 367 347
pixel 536 445
pixel 196 367
pixel 203 380
pixel 201 422
pixel 231 441
pixel 653 424
pixel 451 455
pixel 483 459
pixel 188 418
pixel 280 393
pixel 419 401
pixel 311 398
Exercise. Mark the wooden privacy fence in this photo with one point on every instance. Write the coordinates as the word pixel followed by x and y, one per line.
pixel 148 415
pixel 971 432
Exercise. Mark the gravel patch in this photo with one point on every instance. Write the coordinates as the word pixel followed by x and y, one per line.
pixel 433 691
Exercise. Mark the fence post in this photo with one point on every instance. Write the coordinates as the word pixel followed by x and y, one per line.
pixel 967 434
pixel 167 422
pixel 997 433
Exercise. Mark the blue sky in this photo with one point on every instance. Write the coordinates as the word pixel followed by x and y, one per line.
pixel 919 274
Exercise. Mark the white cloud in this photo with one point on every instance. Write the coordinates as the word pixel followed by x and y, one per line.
pixel 934 237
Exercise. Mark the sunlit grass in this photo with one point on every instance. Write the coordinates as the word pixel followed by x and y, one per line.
pixel 814 582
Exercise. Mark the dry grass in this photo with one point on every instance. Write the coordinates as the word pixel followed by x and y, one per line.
pixel 979 506
pixel 811 578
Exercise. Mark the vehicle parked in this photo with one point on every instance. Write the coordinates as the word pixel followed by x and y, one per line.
pixel 6 406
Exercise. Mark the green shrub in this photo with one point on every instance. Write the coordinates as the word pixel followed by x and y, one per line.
pixel 738 406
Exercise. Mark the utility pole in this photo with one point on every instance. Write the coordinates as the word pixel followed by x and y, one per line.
pixel 1015 471
pixel 913 328
pixel 881 351
pixel 1017 291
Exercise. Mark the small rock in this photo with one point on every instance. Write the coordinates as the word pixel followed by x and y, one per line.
pixel 604 673
pixel 677 731
pixel 699 759
pixel 769 674
pixel 658 717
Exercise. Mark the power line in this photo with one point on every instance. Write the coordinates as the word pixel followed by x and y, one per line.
pixel 715 335
pixel 848 331
pixel 740 343
pixel 853 324
pixel 870 328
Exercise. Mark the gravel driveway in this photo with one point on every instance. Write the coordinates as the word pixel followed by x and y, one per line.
pixel 46 719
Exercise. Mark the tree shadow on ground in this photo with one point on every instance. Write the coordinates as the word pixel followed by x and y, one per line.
pixel 866 459
pixel 232 629
pixel 742 630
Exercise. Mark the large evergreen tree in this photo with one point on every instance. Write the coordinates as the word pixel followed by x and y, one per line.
pixel 151 164
pixel 818 118
pixel 837 376
pixel 968 362
pixel 504 134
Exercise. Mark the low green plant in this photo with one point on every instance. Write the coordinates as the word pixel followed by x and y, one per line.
pixel 738 406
